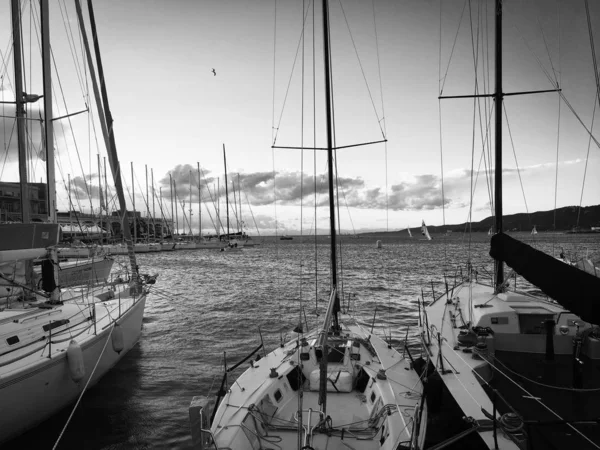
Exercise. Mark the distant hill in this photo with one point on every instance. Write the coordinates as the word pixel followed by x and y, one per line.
pixel 566 219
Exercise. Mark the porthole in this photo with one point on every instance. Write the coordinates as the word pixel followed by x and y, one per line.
pixel 278 395
pixel 12 340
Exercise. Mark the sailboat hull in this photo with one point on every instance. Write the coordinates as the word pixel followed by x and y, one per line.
pixel 36 387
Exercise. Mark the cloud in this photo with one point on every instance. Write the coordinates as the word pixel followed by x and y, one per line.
pixel 422 192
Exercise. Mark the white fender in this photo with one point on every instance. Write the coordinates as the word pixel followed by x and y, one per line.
pixel 75 359
pixel 118 341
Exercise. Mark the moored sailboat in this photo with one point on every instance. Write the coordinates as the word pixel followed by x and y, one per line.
pixel 56 342
pixel 338 386
pixel 520 367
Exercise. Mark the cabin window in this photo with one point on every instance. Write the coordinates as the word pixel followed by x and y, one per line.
pixel 499 320
pixel 278 395
pixel 362 380
pixel 55 324
pixel 373 397
pixel 533 323
pixel 336 354
pixel 296 378
pixel 12 340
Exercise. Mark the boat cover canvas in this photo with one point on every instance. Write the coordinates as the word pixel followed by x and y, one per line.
pixel 574 289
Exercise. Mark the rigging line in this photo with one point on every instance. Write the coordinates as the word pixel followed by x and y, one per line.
pixel 215 223
pixel 387 220
pixel 481 159
pixel 537 400
pixel 440 137
pixel 587 159
pixel 379 70
pixel 516 162
pixel 475 60
pixel 485 144
pixel 547 49
pixel 441 89
pixel 316 248
pixel 4 56
pixel 348 209
pixel 597 77
pixel 70 126
pixel 556 168
pixel 276 240
pixel 276 129
pixel 564 99
pixel 362 69
pixel 6 145
pixel 71 41
pixel 535 56
pixel 274 59
pixel 251 213
pixel 84 389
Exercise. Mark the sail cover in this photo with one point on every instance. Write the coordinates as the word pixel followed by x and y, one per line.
pixel 574 289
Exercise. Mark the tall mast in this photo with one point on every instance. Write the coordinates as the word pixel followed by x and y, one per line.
pixel 498 96
pixel 172 213
pixel 240 199
pixel 190 210
pixel 147 208
pixel 331 317
pixel 133 199
pixel 219 224
pixel 226 193
pixel 153 202
pixel 235 205
pixel 105 188
pixel 164 220
pixel 176 211
pixel 329 112
pixel 100 196
pixel 20 111
pixel 199 205
pixel 106 123
pixel 48 128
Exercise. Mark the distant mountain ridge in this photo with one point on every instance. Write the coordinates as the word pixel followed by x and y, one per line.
pixel 566 220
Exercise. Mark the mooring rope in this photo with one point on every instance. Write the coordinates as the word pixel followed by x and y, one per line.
pixel 84 388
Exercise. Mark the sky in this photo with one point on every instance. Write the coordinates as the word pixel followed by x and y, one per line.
pixel 172 112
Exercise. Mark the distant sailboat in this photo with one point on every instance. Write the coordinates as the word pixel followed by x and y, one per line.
pixel 409 233
pixel 534 231
pixel 491 231
pixel 424 231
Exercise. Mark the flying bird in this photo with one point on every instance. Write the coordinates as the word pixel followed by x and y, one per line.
pixel 214 73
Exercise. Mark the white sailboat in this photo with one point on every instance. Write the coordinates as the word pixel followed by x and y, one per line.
pixel 55 343
pixel 336 387
pixel 519 365
pixel 534 231
pixel 409 233
pixel 491 231
pixel 424 231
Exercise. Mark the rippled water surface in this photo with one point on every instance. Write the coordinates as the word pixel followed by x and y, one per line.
pixel 208 303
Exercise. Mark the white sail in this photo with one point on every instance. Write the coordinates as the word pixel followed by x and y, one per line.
pixel 409 233
pixel 534 231
pixel 424 231
pixel 490 231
